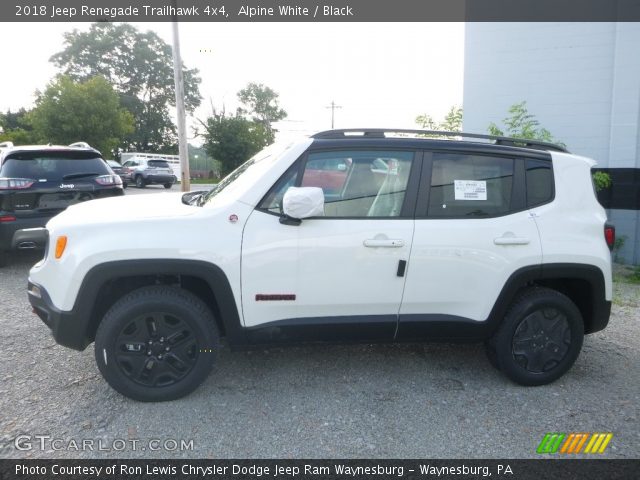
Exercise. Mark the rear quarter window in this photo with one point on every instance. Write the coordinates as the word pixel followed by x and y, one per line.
pixel 539 182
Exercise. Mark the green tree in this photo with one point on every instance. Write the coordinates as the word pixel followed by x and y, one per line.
pixel 233 139
pixel 452 121
pixel 90 111
pixel 15 127
pixel 522 124
pixel 261 104
pixel 139 66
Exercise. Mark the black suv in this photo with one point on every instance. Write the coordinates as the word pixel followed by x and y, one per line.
pixel 38 182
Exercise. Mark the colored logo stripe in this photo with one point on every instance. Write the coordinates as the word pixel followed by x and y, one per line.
pixel 574 443
pixel 550 443
pixel 598 443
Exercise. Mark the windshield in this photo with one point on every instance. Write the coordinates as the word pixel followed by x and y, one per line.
pixel 264 154
pixel 53 166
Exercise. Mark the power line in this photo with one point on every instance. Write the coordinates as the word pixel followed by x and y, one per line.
pixel 333 107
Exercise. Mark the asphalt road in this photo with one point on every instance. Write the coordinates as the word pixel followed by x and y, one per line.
pixel 357 401
pixel 132 190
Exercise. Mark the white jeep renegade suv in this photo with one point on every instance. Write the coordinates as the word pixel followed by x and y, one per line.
pixel 345 236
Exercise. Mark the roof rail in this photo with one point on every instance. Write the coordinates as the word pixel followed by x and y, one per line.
pixel 80 145
pixel 380 133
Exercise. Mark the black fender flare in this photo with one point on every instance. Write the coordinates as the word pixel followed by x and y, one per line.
pixel 99 275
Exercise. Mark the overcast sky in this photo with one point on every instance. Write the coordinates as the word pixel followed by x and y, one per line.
pixel 381 74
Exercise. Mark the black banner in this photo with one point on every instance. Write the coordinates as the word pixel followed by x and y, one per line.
pixel 320 10
pixel 583 469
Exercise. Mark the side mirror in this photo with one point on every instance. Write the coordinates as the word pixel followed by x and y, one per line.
pixel 301 202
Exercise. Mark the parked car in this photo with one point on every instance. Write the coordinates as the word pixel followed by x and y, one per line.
pixel 338 237
pixel 120 171
pixel 148 171
pixel 38 182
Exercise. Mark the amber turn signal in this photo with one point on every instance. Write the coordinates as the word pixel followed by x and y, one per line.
pixel 61 244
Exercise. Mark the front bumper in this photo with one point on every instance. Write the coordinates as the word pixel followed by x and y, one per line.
pixel 64 326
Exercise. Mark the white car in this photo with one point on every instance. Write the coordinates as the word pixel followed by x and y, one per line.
pixel 344 236
pixel 142 171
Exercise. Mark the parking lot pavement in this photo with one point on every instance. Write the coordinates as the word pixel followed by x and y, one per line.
pixel 407 401
pixel 176 187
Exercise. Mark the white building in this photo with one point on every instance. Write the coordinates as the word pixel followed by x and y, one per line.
pixel 582 82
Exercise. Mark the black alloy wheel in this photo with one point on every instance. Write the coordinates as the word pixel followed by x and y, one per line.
pixel 539 339
pixel 156 343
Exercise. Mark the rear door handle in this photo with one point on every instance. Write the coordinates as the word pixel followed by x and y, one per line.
pixel 384 243
pixel 511 241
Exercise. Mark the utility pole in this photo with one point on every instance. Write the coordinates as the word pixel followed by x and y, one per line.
pixel 333 107
pixel 183 147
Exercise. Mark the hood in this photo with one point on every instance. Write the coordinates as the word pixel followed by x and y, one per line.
pixel 128 208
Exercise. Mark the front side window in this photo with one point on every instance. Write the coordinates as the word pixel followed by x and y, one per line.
pixel 355 183
pixel 467 186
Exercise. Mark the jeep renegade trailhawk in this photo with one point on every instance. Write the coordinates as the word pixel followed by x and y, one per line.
pixel 369 235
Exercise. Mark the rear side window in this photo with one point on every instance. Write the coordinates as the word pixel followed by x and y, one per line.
pixel 53 166
pixel 539 182
pixel 158 164
pixel 467 186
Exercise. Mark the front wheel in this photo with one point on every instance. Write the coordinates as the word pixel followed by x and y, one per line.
pixel 140 182
pixel 156 343
pixel 539 339
pixel 168 185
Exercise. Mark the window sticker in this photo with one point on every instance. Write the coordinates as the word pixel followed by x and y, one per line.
pixel 470 189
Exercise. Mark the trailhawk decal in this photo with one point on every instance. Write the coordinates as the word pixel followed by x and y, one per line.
pixel 264 297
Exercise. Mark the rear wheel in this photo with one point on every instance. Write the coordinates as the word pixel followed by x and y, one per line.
pixel 156 344
pixel 539 339
pixel 125 184
pixel 140 183
pixel 168 185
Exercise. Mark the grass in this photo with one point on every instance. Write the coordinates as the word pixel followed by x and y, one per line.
pixel 627 274
pixel 207 181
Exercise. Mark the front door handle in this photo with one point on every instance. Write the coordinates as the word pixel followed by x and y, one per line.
pixel 384 243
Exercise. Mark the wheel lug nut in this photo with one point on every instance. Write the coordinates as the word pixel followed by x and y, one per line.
pixel 149 353
pixel 166 349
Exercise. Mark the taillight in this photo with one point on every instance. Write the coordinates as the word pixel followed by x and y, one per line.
pixel 109 180
pixel 7 218
pixel 15 183
pixel 610 235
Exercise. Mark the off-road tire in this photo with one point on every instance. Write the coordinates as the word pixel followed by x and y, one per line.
pixel 539 339
pixel 152 335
